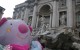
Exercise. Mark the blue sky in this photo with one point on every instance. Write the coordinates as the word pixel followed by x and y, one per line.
pixel 9 5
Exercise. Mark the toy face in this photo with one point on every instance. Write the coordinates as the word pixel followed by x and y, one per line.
pixel 15 32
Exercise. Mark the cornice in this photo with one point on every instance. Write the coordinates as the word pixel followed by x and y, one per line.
pixel 55 0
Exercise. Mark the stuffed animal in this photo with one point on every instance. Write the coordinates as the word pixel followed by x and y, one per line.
pixel 17 34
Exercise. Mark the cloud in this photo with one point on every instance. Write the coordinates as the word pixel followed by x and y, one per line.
pixel 9 5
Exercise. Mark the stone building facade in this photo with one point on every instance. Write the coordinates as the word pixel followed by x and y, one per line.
pixel 1 11
pixel 54 16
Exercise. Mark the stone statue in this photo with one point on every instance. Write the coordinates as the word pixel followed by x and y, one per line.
pixel 62 19
pixel 43 28
pixel 47 27
pixel 29 23
pixel 42 24
pixel 42 20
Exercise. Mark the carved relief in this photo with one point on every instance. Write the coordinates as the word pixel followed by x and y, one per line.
pixel 62 3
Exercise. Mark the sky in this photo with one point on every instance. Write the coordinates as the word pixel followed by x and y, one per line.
pixel 9 5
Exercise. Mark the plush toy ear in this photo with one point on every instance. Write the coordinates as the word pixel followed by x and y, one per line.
pixel 2 21
pixel 30 28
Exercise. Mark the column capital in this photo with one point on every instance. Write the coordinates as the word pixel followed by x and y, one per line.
pixel 35 4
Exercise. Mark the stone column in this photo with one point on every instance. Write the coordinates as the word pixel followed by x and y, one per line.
pixel 26 15
pixel 74 15
pixel 69 13
pixel 50 20
pixel 34 17
pixel 17 15
pixel 22 13
pixel 37 20
pixel 54 14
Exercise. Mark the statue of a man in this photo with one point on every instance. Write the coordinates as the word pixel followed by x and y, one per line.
pixel 62 19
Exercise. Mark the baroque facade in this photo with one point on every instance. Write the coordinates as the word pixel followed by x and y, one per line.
pixel 55 16
pixel 1 11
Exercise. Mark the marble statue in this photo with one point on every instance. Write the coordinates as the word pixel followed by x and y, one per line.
pixel 42 20
pixel 47 27
pixel 62 19
pixel 29 23
pixel 43 26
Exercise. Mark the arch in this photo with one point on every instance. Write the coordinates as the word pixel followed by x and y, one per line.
pixel 41 5
pixel 45 10
pixel 44 18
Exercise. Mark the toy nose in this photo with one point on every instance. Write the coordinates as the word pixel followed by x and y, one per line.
pixel 23 28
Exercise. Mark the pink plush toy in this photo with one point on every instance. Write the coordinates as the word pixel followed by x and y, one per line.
pixel 15 33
